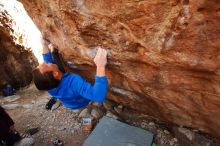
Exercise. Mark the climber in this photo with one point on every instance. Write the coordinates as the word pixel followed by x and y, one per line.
pixel 8 135
pixel 53 103
pixel 71 89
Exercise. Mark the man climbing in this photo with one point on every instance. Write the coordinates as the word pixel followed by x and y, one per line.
pixel 71 89
pixel 53 103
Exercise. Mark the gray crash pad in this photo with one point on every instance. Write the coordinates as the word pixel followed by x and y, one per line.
pixel 110 132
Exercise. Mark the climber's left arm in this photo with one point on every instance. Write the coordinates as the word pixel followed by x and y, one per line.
pixel 98 91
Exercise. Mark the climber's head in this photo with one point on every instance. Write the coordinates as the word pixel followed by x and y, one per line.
pixel 47 76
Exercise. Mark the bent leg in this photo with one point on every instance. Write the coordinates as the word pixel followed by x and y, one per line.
pixel 57 59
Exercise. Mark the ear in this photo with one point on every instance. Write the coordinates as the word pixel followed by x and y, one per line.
pixel 56 74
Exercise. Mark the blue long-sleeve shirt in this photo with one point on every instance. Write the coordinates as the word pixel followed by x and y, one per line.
pixel 74 92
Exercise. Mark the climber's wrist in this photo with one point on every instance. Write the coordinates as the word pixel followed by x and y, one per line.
pixel 100 71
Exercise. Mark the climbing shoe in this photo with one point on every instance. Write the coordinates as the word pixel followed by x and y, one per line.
pixel 58 142
pixel 50 103
pixel 32 131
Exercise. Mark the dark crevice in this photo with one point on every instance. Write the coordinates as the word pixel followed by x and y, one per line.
pixel 185 2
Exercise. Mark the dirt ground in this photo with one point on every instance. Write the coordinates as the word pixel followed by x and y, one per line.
pixel 62 123
pixel 27 108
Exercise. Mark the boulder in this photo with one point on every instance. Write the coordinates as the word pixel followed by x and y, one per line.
pixel 163 56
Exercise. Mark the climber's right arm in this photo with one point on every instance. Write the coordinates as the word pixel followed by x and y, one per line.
pixel 44 48
pixel 47 56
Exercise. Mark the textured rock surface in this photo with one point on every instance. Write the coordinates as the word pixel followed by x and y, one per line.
pixel 16 63
pixel 164 55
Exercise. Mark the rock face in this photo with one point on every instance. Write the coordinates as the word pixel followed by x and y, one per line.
pixel 164 55
pixel 16 63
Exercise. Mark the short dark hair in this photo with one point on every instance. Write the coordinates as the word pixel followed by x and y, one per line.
pixel 45 81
